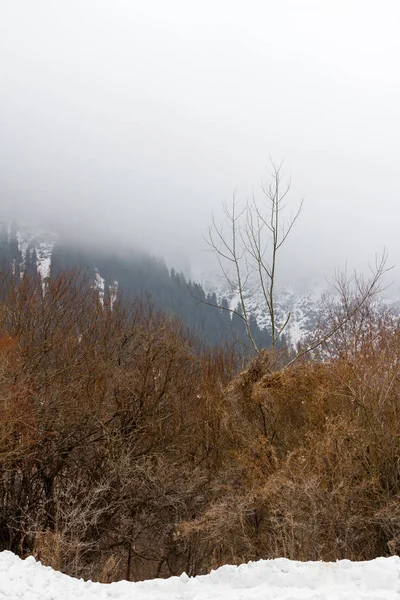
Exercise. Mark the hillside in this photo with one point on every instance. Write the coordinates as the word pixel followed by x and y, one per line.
pixel 132 274
pixel 128 451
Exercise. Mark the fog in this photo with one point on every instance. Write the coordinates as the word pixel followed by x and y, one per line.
pixel 129 122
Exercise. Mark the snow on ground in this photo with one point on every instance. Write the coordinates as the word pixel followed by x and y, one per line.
pixel 278 579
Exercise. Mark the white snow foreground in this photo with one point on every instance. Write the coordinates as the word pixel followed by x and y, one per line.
pixel 278 579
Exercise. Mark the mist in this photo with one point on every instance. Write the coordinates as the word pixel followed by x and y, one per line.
pixel 128 123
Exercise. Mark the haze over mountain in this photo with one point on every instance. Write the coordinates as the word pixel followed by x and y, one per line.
pixel 140 274
pixel 135 275
pixel 130 122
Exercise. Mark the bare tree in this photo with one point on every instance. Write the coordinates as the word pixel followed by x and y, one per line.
pixel 349 314
pixel 247 245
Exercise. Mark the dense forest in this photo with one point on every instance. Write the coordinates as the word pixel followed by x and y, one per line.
pixel 130 450
pixel 139 273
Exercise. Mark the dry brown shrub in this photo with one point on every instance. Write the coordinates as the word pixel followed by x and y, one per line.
pixel 313 456
pixel 109 430
pixel 126 451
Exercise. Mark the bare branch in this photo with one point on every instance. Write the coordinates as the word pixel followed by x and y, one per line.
pixel 371 289
pixel 253 249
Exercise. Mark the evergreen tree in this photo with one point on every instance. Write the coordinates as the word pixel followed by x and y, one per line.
pixel 142 274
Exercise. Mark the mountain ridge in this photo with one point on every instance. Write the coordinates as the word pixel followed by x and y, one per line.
pixel 134 274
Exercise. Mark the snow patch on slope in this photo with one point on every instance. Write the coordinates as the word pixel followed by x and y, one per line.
pixel 113 293
pixel 302 302
pixel 40 243
pixel 99 285
pixel 43 252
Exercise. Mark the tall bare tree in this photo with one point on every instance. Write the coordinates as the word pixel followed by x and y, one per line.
pixel 247 246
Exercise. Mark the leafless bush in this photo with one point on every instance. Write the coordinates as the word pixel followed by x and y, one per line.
pixel 126 451
pixel 107 429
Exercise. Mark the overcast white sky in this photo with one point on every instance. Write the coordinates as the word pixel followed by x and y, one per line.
pixel 139 117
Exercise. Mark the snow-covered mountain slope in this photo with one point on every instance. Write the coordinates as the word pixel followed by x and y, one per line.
pixel 278 579
pixel 304 308
pixel 36 242
pixel 39 245
pixel 304 303
pixel 301 302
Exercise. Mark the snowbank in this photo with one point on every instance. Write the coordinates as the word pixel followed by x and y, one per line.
pixel 278 579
